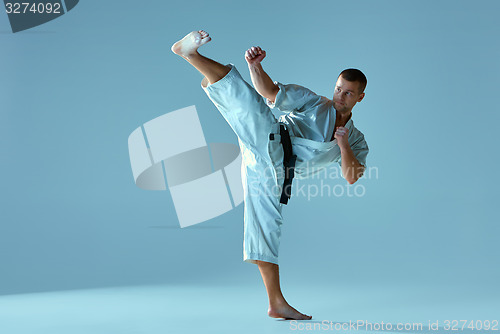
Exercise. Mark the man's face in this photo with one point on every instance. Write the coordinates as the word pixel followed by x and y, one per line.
pixel 346 95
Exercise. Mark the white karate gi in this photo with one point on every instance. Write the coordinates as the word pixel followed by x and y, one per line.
pixel 311 121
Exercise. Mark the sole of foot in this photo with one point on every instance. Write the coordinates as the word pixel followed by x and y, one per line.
pixel 190 43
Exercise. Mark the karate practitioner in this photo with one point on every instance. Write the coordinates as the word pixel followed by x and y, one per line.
pixel 321 132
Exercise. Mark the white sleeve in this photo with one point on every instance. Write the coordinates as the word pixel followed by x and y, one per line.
pixel 360 150
pixel 293 97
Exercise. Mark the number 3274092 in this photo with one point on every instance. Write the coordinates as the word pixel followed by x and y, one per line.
pixel 35 8
pixel 456 325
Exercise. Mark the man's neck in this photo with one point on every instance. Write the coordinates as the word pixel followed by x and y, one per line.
pixel 342 119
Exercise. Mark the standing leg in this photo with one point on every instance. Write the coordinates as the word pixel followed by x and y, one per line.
pixel 278 306
pixel 187 48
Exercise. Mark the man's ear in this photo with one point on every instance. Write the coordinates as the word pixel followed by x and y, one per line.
pixel 361 96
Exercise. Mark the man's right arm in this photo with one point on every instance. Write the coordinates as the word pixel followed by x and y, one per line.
pixel 291 97
pixel 262 82
pixel 260 79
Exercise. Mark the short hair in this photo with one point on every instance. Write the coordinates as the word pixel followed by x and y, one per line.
pixel 354 75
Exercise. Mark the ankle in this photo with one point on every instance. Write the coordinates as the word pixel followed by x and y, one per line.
pixel 191 55
pixel 277 301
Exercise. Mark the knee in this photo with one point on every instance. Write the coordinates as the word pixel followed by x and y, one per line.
pixel 265 264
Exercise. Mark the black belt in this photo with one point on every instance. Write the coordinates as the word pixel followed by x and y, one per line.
pixel 288 162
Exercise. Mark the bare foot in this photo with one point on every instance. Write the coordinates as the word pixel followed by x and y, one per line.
pixel 190 43
pixel 283 310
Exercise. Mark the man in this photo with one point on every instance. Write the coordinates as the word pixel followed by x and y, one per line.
pixel 320 130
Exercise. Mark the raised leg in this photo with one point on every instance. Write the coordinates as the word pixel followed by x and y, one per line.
pixel 187 48
pixel 278 306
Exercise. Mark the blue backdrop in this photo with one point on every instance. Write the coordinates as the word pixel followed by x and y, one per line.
pixel 74 88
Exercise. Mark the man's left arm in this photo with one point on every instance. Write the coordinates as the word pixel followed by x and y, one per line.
pixel 351 168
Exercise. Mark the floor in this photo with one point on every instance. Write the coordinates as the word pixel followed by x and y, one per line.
pixel 242 309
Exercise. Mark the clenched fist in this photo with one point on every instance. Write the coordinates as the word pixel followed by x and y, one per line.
pixel 341 134
pixel 254 55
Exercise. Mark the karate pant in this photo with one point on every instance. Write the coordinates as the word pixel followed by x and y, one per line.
pixel 262 170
